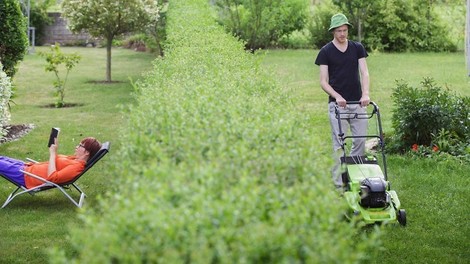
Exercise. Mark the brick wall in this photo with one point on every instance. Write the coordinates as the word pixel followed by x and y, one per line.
pixel 58 32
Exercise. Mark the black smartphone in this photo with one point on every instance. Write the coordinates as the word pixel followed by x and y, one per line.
pixel 54 134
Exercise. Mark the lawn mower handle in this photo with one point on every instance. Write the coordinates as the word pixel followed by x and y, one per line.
pixel 359 102
pixel 376 107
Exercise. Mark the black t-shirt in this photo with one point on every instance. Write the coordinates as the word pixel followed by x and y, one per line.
pixel 343 69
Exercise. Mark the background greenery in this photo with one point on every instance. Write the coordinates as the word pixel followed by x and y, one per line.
pixel 383 25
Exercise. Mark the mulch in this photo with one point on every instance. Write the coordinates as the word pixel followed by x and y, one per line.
pixel 15 132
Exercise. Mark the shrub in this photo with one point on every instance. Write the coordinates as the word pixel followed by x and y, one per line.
pixel 13 38
pixel 296 40
pixel 5 93
pixel 429 116
pixel 138 42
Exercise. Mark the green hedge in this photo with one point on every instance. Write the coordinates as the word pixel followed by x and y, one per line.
pixel 217 166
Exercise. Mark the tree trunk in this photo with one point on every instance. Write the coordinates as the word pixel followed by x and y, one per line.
pixel 359 30
pixel 109 44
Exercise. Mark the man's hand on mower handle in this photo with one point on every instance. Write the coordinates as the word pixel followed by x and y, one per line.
pixel 365 100
pixel 341 102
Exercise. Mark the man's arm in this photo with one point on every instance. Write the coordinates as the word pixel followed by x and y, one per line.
pixel 327 87
pixel 365 99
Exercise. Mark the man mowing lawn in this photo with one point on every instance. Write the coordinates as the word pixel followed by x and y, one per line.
pixel 341 61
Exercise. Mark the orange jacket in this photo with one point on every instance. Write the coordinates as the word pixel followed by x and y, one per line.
pixel 67 168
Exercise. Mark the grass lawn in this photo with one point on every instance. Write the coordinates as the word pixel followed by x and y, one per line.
pixel 30 225
pixel 435 194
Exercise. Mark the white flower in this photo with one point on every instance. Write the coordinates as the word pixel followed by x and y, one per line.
pixel 5 94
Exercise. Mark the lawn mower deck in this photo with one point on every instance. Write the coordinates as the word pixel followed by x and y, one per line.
pixel 368 194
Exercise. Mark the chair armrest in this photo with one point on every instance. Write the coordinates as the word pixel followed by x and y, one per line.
pixel 46 182
pixel 31 160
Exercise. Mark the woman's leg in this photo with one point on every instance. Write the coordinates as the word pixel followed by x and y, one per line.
pixel 10 168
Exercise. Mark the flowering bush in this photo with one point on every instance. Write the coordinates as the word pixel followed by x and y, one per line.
pixel 426 151
pixel 430 117
pixel 5 93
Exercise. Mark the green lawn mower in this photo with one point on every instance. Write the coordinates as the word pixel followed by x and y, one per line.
pixel 366 186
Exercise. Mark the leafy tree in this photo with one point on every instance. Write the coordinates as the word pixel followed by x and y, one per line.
pixel 155 32
pixel 109 19
pixel 262 23
pixel 13 38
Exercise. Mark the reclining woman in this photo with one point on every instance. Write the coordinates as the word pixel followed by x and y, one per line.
pixel 58 169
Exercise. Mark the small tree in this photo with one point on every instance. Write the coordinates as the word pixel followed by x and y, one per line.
pixel 54 59
pixel 109 19
pixel 13 38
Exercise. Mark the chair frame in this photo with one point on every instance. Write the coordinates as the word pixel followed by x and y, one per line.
pixel 47 185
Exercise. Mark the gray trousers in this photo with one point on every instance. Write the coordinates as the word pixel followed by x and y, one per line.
pixel 352 126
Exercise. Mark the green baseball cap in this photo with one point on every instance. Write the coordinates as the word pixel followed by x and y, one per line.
pixel 338 20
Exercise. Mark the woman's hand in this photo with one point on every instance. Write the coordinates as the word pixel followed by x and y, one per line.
pixel 53 147
pixel 52 155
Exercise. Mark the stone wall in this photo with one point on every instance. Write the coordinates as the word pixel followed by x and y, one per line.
pixel 58 32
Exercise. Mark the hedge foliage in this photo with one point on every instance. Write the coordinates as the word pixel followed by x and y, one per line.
pixel 217 166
